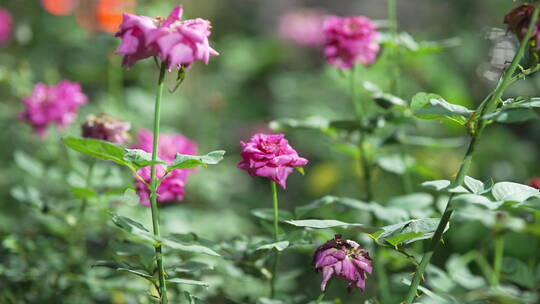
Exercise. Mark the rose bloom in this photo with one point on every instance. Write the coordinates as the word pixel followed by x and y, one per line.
pixel 518 21
pixel 303 27
pixel 172 187
pixel 6 24
pixel 176 42
pixel 55 104
pixel 270 156
pixel 105 128
pixel 344 259
pixel 350 40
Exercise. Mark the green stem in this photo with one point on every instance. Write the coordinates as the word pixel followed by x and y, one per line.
pixel 359 110
pixel 276 239
pixel 320 298
pixel 88 183
pixel 153 188
pixel 498 256
pixel 489 106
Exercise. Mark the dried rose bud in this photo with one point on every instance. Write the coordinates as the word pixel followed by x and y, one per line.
pixel 345 260
pixel 106 128
pixel 518 21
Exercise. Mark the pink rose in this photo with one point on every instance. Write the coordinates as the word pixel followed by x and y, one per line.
pixel 345 260
pixel 55 104
pixel 6 24
pixel 176 42
pixel 270 156
pixel 350 40
pixel 303 26
pixel 172 187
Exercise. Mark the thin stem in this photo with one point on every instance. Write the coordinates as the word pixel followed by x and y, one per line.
pixel 359 110
pixel 486 107
pixel 320 298
pixel 153 188
pixel 276 239
pixel 498 255
pixel 88 183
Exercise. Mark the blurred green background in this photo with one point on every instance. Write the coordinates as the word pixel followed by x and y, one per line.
pixel 46 248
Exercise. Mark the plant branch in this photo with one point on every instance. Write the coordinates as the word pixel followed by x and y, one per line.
pixel 488 106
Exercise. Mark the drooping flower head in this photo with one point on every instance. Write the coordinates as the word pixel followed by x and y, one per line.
pixel 270 156
pixel 6 24
pixel 350 40
pixel 176 42
pixel 303 26
pixel 518 21
pixel 172 187
pixel 105 128
pixel 535 182
pixel 345 260
pixel 55 104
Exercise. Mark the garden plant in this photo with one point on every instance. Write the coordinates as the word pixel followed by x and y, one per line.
pixel 363 164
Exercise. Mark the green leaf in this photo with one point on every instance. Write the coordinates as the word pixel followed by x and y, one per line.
pixel 474 185
pixel 192 266
pixel 475 199
pixel 182 161
pixel 99 149
pixel 508 191
pixel 384 100
pixel 433 106
pixel 82 193
pixel 140 158
pixel 323 224
pixel 187 282
pixel 268 214
pixel 317 123
pixel 192 299
pixel 133 227
pixel 443 185
pixel 408 232
pixel 395 163
pixel 279 246
pixel 512 115
pixel 123 267
pixel 518 272
pixel 29 164
pixel 323 201
pixel 187 243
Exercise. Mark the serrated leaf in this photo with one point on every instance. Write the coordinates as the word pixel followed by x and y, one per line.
pixel 413 230
pixel 323 224
pixel 140 158
pixel 187 243
pixel 443 185
pixel 508 191
pixel 474 185
pixel 433 106
pixel 268 214
pixel 512 115
pixel 279 246
pixel 475 199
pixel 123 267
pixel 99 149
pixel 133 227
pixel 518 272
pixel 182 161
pixel 187 282
pixel 192 266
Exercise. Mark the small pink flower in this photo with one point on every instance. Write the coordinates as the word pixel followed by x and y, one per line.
pixel 6 24
pixel 303 26
pixel 345 260
pixel 176 42
pixel 350 40
pixel 270 156
pixel 172 187
pixel 55 104
pixel 105 128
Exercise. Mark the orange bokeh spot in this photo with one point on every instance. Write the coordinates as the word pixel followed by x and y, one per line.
pixel 59 7
pixel 109 13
